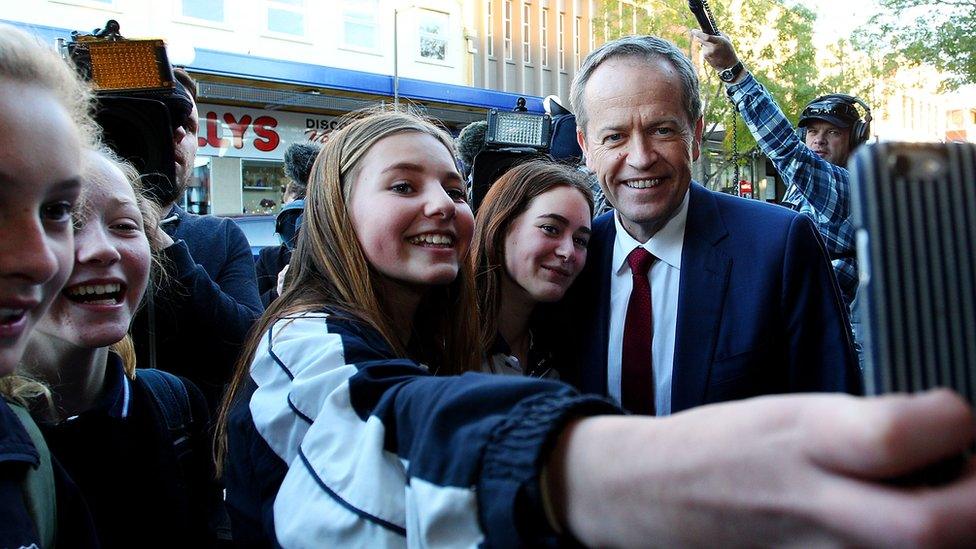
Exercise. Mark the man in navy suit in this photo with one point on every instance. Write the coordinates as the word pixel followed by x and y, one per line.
pixel 742 295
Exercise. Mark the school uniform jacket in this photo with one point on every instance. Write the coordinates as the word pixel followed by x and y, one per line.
pixel 373 451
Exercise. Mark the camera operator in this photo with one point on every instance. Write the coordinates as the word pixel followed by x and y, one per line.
pixel 813 167
pixel 199 315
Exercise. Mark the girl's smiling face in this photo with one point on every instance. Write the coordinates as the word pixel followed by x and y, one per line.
pixel 545 247
pixel 409 209
pixel 111 266
pixel 37 194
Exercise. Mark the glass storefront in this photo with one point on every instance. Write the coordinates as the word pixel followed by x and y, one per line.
pixel 240 159
pixel 196 199
pixel 263 184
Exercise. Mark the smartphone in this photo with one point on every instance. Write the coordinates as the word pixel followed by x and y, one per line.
pixel 914 209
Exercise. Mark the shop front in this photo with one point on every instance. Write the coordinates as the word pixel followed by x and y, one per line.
pixel 240 159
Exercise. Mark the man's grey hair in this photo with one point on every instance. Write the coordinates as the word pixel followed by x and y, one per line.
pixel 641 47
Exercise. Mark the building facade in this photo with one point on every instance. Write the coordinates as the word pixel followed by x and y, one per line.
pixel 530 47
pixel 275 72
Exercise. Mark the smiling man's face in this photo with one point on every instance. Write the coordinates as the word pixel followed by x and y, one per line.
pixel 639 141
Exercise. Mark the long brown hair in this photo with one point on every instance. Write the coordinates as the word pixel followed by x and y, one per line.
pixel 329 269
pixel 506 200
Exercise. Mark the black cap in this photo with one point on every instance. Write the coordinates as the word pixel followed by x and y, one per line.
pixel 831 110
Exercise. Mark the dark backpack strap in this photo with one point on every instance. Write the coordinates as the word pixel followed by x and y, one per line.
pixel 173 404
pixel 38 483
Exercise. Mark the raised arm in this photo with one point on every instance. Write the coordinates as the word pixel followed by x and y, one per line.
pixel 825 186
pixel 796 470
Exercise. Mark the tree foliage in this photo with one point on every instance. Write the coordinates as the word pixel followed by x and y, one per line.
pixel 774 40
pixel 941 33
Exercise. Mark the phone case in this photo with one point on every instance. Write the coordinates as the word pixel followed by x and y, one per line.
pixel 914 207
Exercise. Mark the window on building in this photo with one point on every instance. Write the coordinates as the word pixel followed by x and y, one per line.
pixel 490 35
pixel 286 17
pixel 561 41
pixel 208 10
pixel 196 197
pixel 507 29
pixel 359 24
pixel 955 119
pixel 433 34
pixel 544 39
pixel 577 39
pixel 526 33
pixel 97 4
pixel 262 182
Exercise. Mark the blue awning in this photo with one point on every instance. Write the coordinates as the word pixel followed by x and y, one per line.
pixel 265 69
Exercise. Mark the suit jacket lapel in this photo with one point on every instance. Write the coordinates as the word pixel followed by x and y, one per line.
pixel 704 278
pixel 593 373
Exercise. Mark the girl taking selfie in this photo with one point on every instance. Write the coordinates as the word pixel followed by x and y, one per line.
pixel 355 418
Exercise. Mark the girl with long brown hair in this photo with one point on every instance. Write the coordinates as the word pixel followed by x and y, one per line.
pixel 347 424
pixel 530 239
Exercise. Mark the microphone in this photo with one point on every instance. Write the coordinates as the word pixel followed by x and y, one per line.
pixel 471 141
pixel 703 13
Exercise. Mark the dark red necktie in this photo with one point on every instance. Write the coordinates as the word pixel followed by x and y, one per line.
pixel 637 375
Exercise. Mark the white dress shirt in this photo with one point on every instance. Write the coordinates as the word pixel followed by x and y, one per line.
pixel 665 278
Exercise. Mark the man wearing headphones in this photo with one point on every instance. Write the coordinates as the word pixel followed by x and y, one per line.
pixel 812 161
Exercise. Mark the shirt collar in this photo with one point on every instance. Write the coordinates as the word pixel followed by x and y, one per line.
pixel 665 245
pixel 172 220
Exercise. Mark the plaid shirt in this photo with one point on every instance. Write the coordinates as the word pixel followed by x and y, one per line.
pixel 816 187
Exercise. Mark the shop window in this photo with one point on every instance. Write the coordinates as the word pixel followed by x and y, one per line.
pixel 196 198
pixel 359 24
pixel 433 35
pixel 208 10
pixel 286 17
pixel 263 184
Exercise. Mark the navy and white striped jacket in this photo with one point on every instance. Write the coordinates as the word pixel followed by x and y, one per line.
pixel 372 450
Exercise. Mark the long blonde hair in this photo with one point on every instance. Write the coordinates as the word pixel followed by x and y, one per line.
pixel 24 59
pixel 329 268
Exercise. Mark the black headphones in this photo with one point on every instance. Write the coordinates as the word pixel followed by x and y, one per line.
pixel 835 104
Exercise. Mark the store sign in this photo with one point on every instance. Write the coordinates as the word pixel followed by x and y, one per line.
pixel 253 133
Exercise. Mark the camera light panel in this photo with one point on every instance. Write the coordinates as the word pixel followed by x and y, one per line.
pixel 128 64
pixel 522 129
